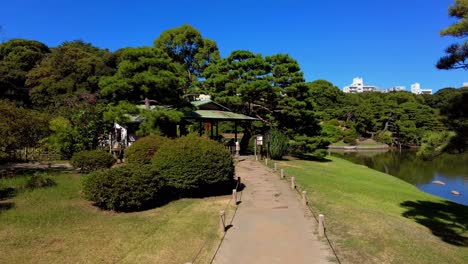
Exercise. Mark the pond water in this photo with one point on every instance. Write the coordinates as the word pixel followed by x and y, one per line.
pixel 450 169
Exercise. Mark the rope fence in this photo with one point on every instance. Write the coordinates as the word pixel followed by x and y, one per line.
pixel 223 226
pixel 320 218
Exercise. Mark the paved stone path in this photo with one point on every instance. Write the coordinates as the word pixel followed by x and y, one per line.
pixel 271 225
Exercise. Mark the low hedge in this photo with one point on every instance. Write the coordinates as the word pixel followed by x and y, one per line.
pixel 127 188
pixel 144 149
pixel 90 160
pixel 194 166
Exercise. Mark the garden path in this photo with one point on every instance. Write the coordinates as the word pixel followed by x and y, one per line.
pixel 271 225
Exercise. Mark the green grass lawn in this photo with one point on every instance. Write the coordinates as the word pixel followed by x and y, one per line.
pixel 373 217
pixel 57 225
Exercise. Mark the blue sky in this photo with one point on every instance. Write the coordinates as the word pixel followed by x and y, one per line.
pixel 388 43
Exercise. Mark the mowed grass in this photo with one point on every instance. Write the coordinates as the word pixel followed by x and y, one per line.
pixel 57 225
pixel 373 217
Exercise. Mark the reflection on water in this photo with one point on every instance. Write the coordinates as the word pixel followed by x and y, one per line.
pixel 450 169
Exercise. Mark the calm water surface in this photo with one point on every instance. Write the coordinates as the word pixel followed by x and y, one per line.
pixel 450 169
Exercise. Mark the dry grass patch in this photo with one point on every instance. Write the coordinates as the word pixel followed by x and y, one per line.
pixel 57 225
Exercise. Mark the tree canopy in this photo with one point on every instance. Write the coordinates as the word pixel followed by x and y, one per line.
pixel 144 72
pixel 17 58
pixel 186 46
pixel 71 69
pixel 457 54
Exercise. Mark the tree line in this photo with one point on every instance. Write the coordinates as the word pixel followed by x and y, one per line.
pixel 66 98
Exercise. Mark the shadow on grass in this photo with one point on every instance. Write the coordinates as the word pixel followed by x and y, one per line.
pixel 7 192
pixel 4 206
pixel 447 220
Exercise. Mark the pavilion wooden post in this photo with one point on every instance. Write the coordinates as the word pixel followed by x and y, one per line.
pixel 211 127
pixel 217 125
pixel 235 131
pixel 200 128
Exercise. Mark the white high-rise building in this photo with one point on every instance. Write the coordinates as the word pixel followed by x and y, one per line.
pixel 358 86
pixel 465 84
pixel 416 89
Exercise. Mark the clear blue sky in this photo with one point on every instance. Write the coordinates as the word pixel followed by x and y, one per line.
pixel 388 43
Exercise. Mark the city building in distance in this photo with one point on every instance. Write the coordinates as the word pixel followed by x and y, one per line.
pixel 416 89
pixel 358 86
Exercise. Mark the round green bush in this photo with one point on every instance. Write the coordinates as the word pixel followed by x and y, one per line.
pixel 144 149
pixel 127 188
pixel 194 166
pixel 90 160
pixel 351 139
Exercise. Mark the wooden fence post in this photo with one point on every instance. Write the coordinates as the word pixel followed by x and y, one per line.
pixel 282 173
pixel 266 162
pixel 234 196
pixel 321 225
pixel 222 225
pixel 304 197
pixel 293 183
pixel 274 167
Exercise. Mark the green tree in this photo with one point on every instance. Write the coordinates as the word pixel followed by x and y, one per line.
pixel 71 69
pixel 457 54
pixel 327 97
pixel 144 73
pixel 271 89
pixel 20 128
pixel 17 58
pixel 186 46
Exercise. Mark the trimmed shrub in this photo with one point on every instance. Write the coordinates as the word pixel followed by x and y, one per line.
pixel 90 160
pixel 351 139
pixel 127 188
pixel 144 149
pixel 39 181
pixel 194 166
pixel 278 144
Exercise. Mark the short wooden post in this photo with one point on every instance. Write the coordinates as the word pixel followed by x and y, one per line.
pixel 234 197
pixel 304 197
pixel 321 225
pixel 274 167
pixel 266 162
pixel 282 174
pixel 293 183
pixel 222 225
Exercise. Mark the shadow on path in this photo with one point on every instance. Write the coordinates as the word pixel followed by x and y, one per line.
pixel 447 220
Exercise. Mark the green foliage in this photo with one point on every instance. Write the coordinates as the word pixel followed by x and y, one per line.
pixel 160 121
pixel 120 112
pixel 457 54
pixel 127 188
pixel 385 138
pixel 309 146
pixel 278 145
pixel 350 139
pixel 17 57
pixel 19 127
pixel 194 166
pixel 144 73
pixel 71 69
pixel 62 139
pixel 90 160
pixel 143 150
pixel 331 132
pixel 186 46
pixel 38 180
pixel 434 144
